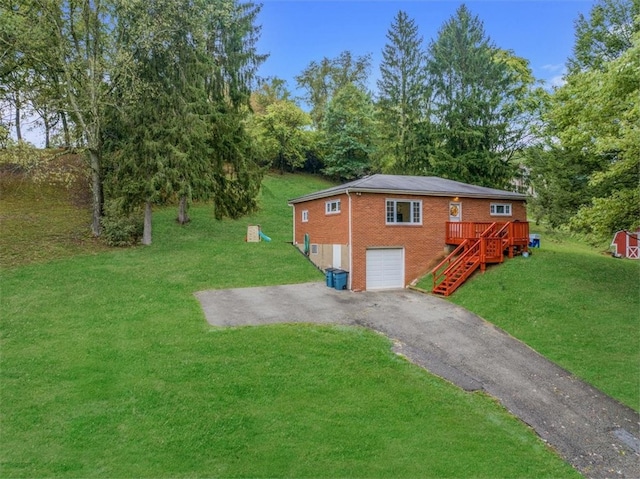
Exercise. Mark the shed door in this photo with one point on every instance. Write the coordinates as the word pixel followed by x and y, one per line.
pixel 632 246
pixel 385 268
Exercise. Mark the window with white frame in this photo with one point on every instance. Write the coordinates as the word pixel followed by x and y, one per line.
pixel 500 209
pixel 332 207
pixel 305 216
pixel 404 212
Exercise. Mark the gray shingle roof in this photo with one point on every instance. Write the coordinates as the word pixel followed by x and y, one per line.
pixel 414 185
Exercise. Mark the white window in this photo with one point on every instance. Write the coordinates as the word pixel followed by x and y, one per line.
pixel 404 212
pixel 305 216
pixel 500 209
pixel 332 207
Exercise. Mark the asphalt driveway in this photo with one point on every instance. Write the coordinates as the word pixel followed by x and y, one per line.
pixel 593 432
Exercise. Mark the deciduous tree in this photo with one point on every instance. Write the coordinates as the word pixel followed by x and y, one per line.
pixel 592 123
pixel 349 131
pixel 284 134
pixel 321 80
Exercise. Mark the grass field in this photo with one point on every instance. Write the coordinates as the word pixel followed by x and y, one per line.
pixel 40 222
pixel 109 369
pixel 578 307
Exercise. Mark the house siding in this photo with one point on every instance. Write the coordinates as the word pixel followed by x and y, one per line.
pixel 423 244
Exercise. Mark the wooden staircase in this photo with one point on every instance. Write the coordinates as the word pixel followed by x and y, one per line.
pixel 479 248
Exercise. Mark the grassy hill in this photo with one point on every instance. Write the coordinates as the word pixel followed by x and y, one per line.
pixel 109 369
pixel 573 304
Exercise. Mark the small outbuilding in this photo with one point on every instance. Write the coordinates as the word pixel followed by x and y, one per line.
pixel 625 244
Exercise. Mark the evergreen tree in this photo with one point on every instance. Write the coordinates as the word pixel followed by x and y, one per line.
pixel 182 134
pixel 479 96
pixel 403 97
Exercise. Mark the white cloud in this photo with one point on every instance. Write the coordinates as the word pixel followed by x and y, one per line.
pixel 557 81
pixel 553 67
pixel 553 75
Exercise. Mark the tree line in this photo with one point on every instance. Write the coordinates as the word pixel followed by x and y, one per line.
pixel 165 99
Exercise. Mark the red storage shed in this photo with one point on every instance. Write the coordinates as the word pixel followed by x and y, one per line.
pixel 625 244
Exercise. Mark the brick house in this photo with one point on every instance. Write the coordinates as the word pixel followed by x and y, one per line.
pixel 389 230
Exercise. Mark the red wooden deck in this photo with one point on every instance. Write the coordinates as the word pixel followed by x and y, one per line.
pixel 478 245
pixel 517 231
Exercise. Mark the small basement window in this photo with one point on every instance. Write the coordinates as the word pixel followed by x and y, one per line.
pixel 305 216
pixel 500 209
pixel 332 207
pixel 314 249
pixel 404 212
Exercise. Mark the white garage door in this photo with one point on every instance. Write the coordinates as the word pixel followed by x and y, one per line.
pixel 385 268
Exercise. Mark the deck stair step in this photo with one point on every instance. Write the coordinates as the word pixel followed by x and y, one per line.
pixel 473 253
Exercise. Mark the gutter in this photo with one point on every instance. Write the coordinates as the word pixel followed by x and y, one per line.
pixel 293 240
pixel 319 195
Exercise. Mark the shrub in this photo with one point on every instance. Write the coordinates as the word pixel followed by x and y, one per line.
pixel 119 226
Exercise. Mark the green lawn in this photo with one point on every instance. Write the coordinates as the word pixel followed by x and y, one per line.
pixel 575 305
pixel 109 369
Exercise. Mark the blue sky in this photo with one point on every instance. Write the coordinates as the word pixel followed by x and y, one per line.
pixel 296 32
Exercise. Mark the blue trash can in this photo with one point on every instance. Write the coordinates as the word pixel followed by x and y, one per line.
pixel 340 279
pixel 534 241
pixel 329 276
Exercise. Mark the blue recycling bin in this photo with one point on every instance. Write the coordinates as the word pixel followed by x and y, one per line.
pixel 340 279
pixel 329 276
pixel 534 241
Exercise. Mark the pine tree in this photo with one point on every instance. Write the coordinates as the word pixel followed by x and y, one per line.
pixel 182 133
pixel 478 98
pixel 403 96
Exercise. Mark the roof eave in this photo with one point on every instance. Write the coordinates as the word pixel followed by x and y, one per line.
pixel 325 194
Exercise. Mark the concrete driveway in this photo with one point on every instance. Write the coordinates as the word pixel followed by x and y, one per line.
pixel 596 434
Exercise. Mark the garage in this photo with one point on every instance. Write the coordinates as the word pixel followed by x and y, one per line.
pixel 385 268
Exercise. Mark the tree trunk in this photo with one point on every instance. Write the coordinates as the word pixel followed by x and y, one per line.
pixel 96 187
pixel 18 109
pixel 47 133
pixel 65 129
pixel 146 232
pixel 183 210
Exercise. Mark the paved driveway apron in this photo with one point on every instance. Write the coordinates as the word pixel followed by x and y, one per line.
pixel 593 432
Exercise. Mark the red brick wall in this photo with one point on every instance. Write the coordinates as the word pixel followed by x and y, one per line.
pixel 423 244
pixel 478 210
pixel 321 227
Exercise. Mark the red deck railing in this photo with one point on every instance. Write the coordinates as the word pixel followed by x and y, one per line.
pixel 478 245
pixel 457 232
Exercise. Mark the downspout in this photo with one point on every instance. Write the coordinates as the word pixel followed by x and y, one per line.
pixel 349 246
pixel 293 207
